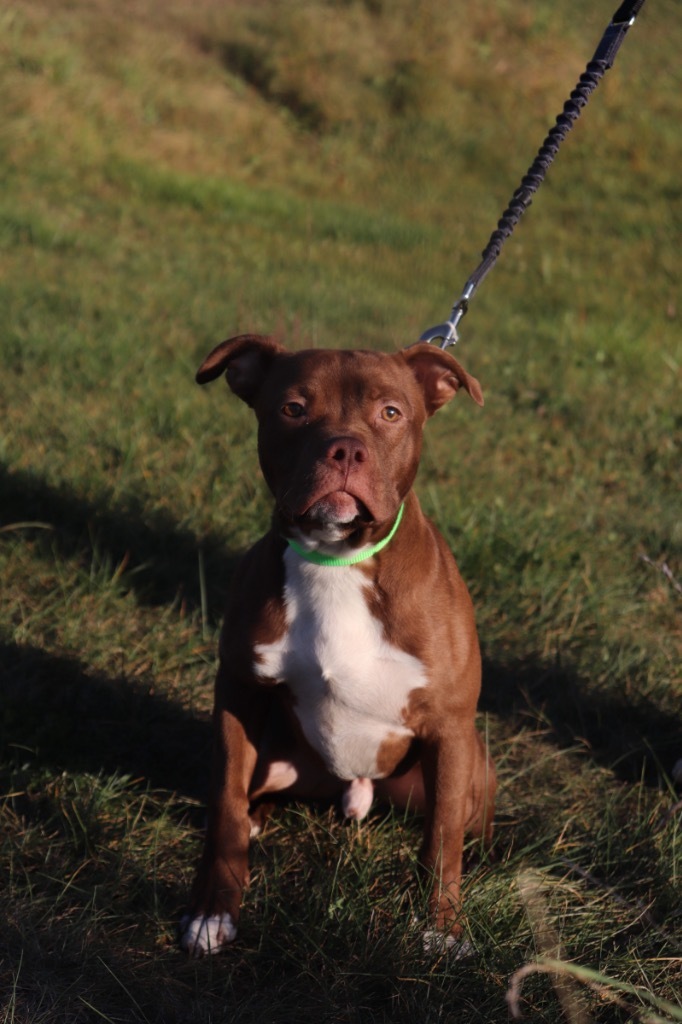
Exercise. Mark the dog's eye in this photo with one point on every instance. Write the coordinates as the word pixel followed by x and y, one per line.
pixel 294 410
pixel 390 413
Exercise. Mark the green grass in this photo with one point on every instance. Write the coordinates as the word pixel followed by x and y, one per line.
pixel 174 174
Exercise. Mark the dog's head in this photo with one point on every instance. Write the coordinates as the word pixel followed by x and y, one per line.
pixel 339 435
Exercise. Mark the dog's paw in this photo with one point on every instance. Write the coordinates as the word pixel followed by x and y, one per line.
pixel 456 947
pixel 357 799
pixel 206 934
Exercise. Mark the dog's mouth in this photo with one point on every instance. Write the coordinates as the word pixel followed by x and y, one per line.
pixel 337 509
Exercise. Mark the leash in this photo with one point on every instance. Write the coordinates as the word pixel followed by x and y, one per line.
pixel 602 60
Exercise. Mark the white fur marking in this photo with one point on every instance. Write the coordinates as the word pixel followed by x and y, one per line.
pixel 350 686
pixel 328 540
pixel 281 775
pixel 441 942
pixel 357 799
pixel 206 934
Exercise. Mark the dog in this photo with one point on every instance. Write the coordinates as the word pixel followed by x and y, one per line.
pixel 349 662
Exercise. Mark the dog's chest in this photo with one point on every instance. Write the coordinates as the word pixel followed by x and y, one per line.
pixel 350 687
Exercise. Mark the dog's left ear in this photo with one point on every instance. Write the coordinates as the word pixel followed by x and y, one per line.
pixel 440 375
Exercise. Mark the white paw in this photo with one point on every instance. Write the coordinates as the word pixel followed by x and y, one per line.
pixel 357 799
pixel 206 934
pixel 443 942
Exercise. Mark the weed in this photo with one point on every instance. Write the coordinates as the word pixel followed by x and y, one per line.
pixel 173 174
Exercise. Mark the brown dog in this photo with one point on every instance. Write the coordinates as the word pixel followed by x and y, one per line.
pixel 349 650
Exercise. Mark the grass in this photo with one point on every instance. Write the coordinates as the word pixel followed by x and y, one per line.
pixel 174 174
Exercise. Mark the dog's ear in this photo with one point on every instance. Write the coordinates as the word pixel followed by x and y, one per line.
pixel 245 360
pixel 440 375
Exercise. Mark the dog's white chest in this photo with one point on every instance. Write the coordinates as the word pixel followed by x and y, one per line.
pixel 350 686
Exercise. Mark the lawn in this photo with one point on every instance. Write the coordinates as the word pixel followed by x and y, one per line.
pixel 175 174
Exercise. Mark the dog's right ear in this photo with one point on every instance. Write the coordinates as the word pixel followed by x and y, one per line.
pixel 245 360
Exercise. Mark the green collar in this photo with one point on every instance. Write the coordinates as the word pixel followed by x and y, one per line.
pixel 320 559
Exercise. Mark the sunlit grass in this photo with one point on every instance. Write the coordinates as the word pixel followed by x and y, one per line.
pixel 175 174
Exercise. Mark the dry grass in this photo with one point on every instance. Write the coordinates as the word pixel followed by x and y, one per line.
pixel 176 173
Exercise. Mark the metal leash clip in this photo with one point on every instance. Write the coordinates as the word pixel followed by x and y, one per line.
pixel 447 333
pixel 603 59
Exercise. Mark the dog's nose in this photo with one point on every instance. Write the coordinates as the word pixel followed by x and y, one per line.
pixel 347 450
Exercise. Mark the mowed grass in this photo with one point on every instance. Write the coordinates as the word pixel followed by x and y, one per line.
pixel 174 174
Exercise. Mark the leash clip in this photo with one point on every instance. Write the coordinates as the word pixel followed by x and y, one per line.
pixel 446 333
pixel 603 59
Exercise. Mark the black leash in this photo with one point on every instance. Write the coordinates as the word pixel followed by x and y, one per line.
pixel 603 59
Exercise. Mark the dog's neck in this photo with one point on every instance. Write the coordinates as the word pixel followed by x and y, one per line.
pixel 320 558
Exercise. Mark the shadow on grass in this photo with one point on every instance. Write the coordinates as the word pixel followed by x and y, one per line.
pixel 286 978
pixel 58 715
pixel 66 717
pixel 162 560
pixel 124 728
pixel 90 935
pixel 636 739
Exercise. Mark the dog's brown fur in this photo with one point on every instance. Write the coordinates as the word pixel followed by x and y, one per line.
pixel 339 431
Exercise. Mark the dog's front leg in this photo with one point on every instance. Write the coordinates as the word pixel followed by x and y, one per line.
pixel 238 717
pixel 447 766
